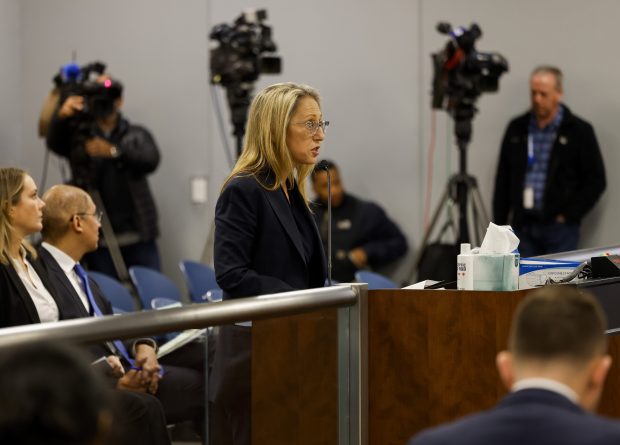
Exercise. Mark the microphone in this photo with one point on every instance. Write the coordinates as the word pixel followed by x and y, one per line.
pixel 324 165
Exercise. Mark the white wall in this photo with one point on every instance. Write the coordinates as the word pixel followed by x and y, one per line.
pixel 158 49
pixel 370 60
pixel 10 83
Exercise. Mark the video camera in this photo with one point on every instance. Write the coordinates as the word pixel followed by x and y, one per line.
pixel 461 73
pixel 240 56
pixel 99 97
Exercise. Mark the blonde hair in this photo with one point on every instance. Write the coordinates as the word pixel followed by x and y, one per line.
pixel 265 139
pixel 11 187
pixel 61 203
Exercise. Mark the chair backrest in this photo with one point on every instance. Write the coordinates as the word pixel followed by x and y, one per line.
pixel 199 278
pixel 114 291
pixel 374 280
pixel 213 295
pixel 151 284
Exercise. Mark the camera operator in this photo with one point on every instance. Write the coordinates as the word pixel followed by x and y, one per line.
pixel 550 171
pixel 109 155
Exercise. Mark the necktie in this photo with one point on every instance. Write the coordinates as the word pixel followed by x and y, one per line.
pixel 81 273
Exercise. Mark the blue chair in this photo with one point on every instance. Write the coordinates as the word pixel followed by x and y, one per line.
pixel 374 280
pixel 199 278
pixel 113 290
pixel 152 284
pixel 213 295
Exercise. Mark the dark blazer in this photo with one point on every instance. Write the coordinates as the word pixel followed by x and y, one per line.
pixel 181 391
pixel 530 416
pixel 69 301
pixel 258 246
pixel 575 176
pixel 16 306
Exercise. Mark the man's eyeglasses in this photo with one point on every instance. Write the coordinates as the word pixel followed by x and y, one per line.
pixel 97 214
pixel 313 126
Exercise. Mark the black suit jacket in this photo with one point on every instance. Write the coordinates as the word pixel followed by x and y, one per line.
pixel 69 301
pixel 575 175
pixel 258 247
pixel 16 306
pixel 529 416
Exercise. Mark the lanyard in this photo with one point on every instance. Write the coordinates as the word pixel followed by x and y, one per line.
pixel 531 159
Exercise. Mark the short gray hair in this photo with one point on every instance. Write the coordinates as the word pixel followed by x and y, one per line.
pixel 554 71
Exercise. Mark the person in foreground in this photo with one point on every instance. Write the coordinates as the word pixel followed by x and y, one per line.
pixel 266 240
pixel 41 402
pixel 555 369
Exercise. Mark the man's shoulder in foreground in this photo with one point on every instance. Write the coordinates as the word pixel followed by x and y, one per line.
pixel 530 416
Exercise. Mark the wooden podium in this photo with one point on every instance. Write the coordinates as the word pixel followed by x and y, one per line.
pixel 431 359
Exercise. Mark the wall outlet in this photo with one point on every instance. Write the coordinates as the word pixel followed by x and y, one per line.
pixel 198 186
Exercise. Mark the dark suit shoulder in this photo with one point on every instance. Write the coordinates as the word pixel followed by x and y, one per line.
pixel 529 416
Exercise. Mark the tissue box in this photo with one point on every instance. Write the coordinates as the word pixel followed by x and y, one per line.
pixel 533 272
pixel 496 271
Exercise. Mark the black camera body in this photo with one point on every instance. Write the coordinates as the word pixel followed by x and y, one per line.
pixel 99 98
pixel 461 73
pixel 243 51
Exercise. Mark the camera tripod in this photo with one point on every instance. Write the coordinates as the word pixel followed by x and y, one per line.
pixel 461 197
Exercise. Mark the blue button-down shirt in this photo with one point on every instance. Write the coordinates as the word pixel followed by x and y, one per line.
pixel 540 143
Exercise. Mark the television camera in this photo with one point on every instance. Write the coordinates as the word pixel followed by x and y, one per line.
pixel 462 74
pixel 243 51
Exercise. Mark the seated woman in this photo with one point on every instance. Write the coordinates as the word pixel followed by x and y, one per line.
pixel 25 295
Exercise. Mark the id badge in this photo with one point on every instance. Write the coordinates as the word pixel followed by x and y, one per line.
pixel 528 197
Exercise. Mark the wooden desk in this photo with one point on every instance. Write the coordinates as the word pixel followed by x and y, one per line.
pixel 431 359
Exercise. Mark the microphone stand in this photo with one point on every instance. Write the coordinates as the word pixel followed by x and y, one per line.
pixel 329 227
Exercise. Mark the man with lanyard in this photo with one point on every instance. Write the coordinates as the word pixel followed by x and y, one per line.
pixel 550 171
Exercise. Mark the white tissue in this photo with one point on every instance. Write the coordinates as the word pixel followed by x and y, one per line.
pixel 499 240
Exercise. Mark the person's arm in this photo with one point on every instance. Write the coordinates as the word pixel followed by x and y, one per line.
pixel 237 220
pixel 592 176
pixel 503 176
pixel 137 151
pixel 385 241
pixel 60 132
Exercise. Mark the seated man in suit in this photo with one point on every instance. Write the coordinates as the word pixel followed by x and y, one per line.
pixel 70 230
pixel 363 236
pixel 555 369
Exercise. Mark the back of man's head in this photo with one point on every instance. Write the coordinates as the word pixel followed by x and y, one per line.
pixel 62 202
pixel 558 333
pixel 558 323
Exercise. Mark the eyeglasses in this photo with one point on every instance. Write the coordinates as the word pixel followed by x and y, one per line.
pixel 97 214
pixel 313 126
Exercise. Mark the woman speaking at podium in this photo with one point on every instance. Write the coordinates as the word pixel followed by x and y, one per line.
pixel 266 240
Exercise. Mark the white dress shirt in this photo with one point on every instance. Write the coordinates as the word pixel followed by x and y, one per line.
pixel 549 385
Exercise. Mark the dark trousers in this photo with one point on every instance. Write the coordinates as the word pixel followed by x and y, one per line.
pixel 230 385
pixel 182 391
pixel 139 254
pixel 537 238
pixel 138 419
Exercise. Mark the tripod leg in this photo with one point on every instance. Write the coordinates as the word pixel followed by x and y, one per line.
pixel 478 205
pixel 445 199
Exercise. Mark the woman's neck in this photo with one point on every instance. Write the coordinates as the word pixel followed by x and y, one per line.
pixel 15 249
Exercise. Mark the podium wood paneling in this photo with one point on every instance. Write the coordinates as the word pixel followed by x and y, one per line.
pixel 432 358
pixel 295 380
